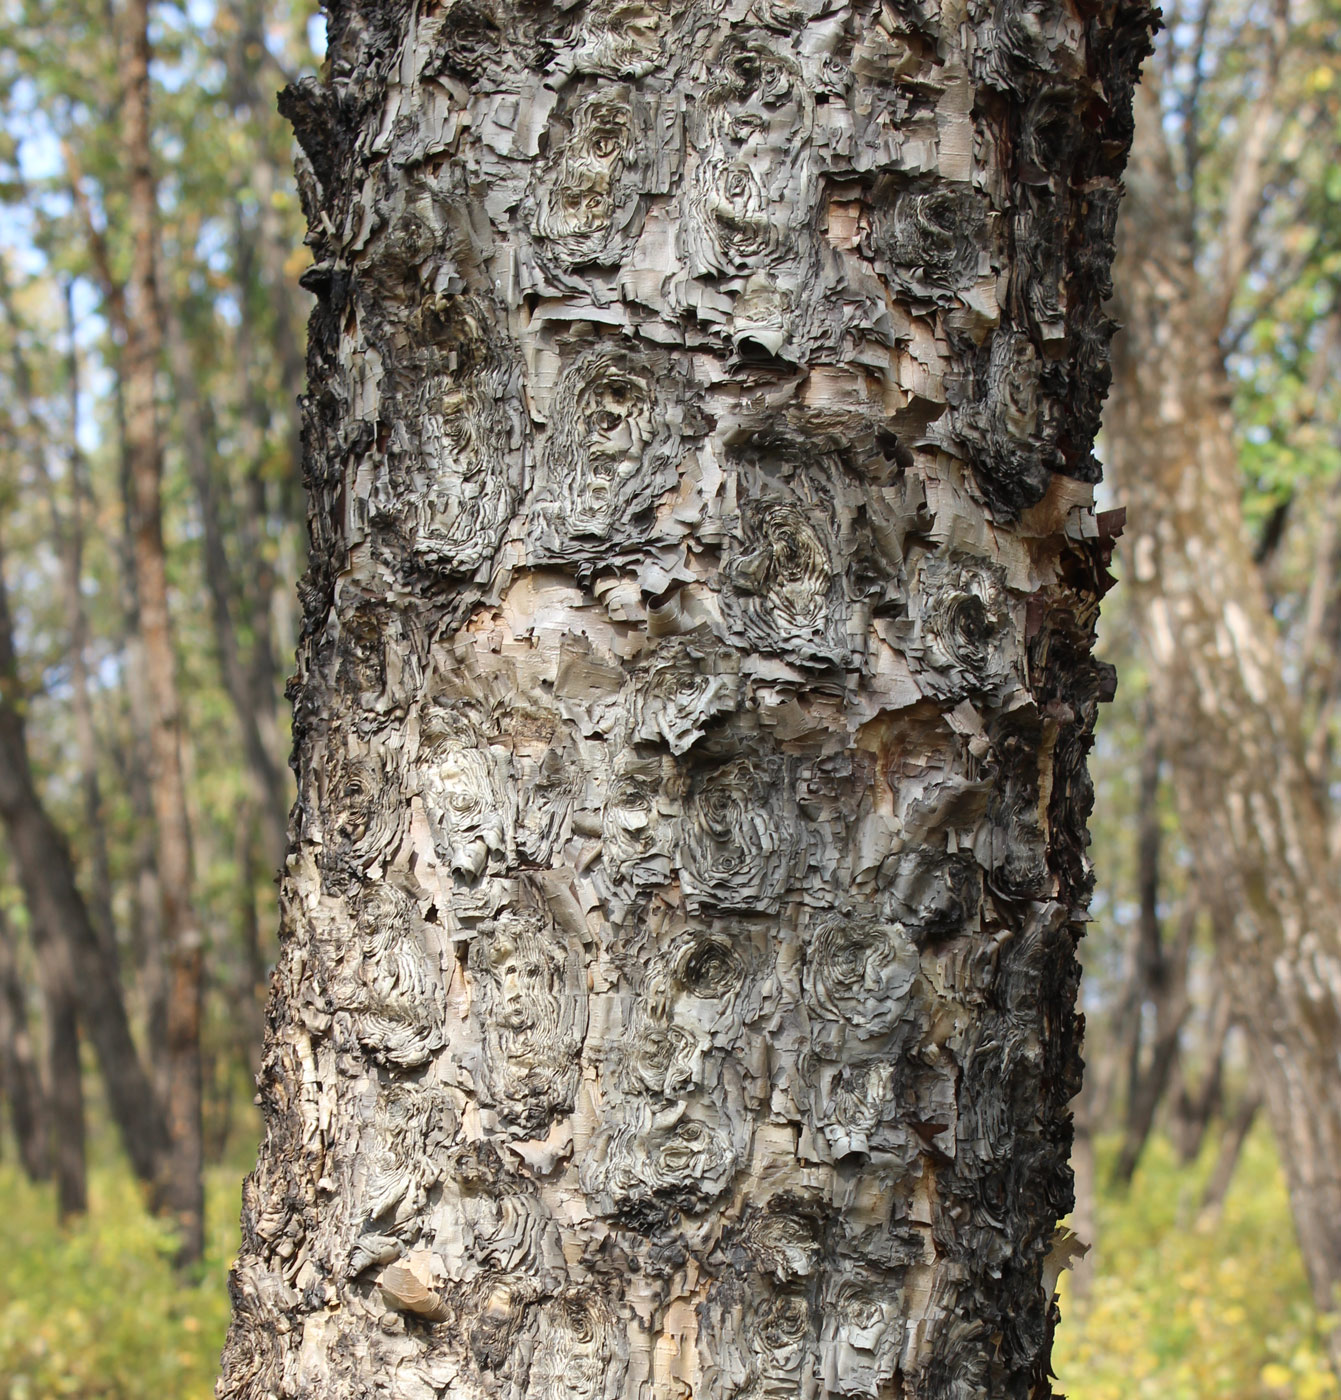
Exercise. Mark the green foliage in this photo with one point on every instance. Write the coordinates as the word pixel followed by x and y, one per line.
pixel 1183 1308
pixel 96 1310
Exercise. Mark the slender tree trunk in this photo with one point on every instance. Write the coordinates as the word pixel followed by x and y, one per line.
pixel 1236 1130
pixel 63 932
pixel 65 1083
pixel 86 738
pixel 20 1082
pixel 677 985
pixel 67 532
pixel 1149 1082
pixel 1232 734
pixel 1195 1106
pixel 146 933
pixel 268 782
pixel 182 1185
pixel 1085 1215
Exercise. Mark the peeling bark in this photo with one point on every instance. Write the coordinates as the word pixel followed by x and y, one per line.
pixel 677 982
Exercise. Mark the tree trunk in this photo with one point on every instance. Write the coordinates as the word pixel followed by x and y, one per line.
pixel 677 984
pixel 20 1083
pixel 1235 1134
pixel 269 787
pixel 71 537
pixel 182 1185
pixel 65 1084
pixel 62 930
pixel 1231 732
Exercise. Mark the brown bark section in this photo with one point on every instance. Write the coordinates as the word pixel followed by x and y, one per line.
pixel 676 993
pixel 1231 732
pixel 182 1185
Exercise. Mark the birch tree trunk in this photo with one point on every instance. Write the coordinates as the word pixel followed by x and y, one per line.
pixel 1232 733
pixel 677 982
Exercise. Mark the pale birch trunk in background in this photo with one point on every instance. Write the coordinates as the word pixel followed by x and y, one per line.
pixel 677 983
pixel 1231 733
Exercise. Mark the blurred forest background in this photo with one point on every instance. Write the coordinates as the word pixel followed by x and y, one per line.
pixel 151 243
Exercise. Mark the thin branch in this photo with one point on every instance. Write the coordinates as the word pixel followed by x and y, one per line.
pixel 1191 106
pixel 113 290
pixel 1244 205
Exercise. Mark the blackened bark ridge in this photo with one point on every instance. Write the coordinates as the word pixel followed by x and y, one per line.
pixel 677 985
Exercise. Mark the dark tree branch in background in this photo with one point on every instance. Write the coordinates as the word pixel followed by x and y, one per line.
pixel 1243 206
pixel 62 929
pixel 1235 1134
pixel 1191 111
pixel 270 788
pixel 20 1080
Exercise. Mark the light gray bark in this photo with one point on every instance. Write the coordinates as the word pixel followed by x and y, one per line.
pixel 676 992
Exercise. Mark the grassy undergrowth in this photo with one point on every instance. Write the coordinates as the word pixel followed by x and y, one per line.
pixel 96 1311
pixel 1188 1309
pixel 1176 1310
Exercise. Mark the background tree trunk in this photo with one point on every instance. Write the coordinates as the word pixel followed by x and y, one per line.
pixel 183 1183
pixel 677 982
pixel 65 1086
pixel 1231 731
pixel 20 1082
pixel 64 938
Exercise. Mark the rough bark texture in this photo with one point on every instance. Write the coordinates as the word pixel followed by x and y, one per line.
pixel 677 983
pixel 1231 732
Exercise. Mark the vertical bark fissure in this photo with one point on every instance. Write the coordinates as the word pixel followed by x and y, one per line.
pixel 676 991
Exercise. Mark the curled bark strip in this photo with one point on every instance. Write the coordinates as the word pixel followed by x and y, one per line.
pixel 399 1006
pixel 746 201
pixel 365 820
pixel 586 205
pixel 859 972
pixel 932 240
pixel 453 474
pixel 681 1158
pixel 610 456
pixel 739 839
pixel 786 592
pixel 577 1352
pixel 533 1015
pixel 1011 425
pixel 463 782
pixel 963 631
pixel 678 693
